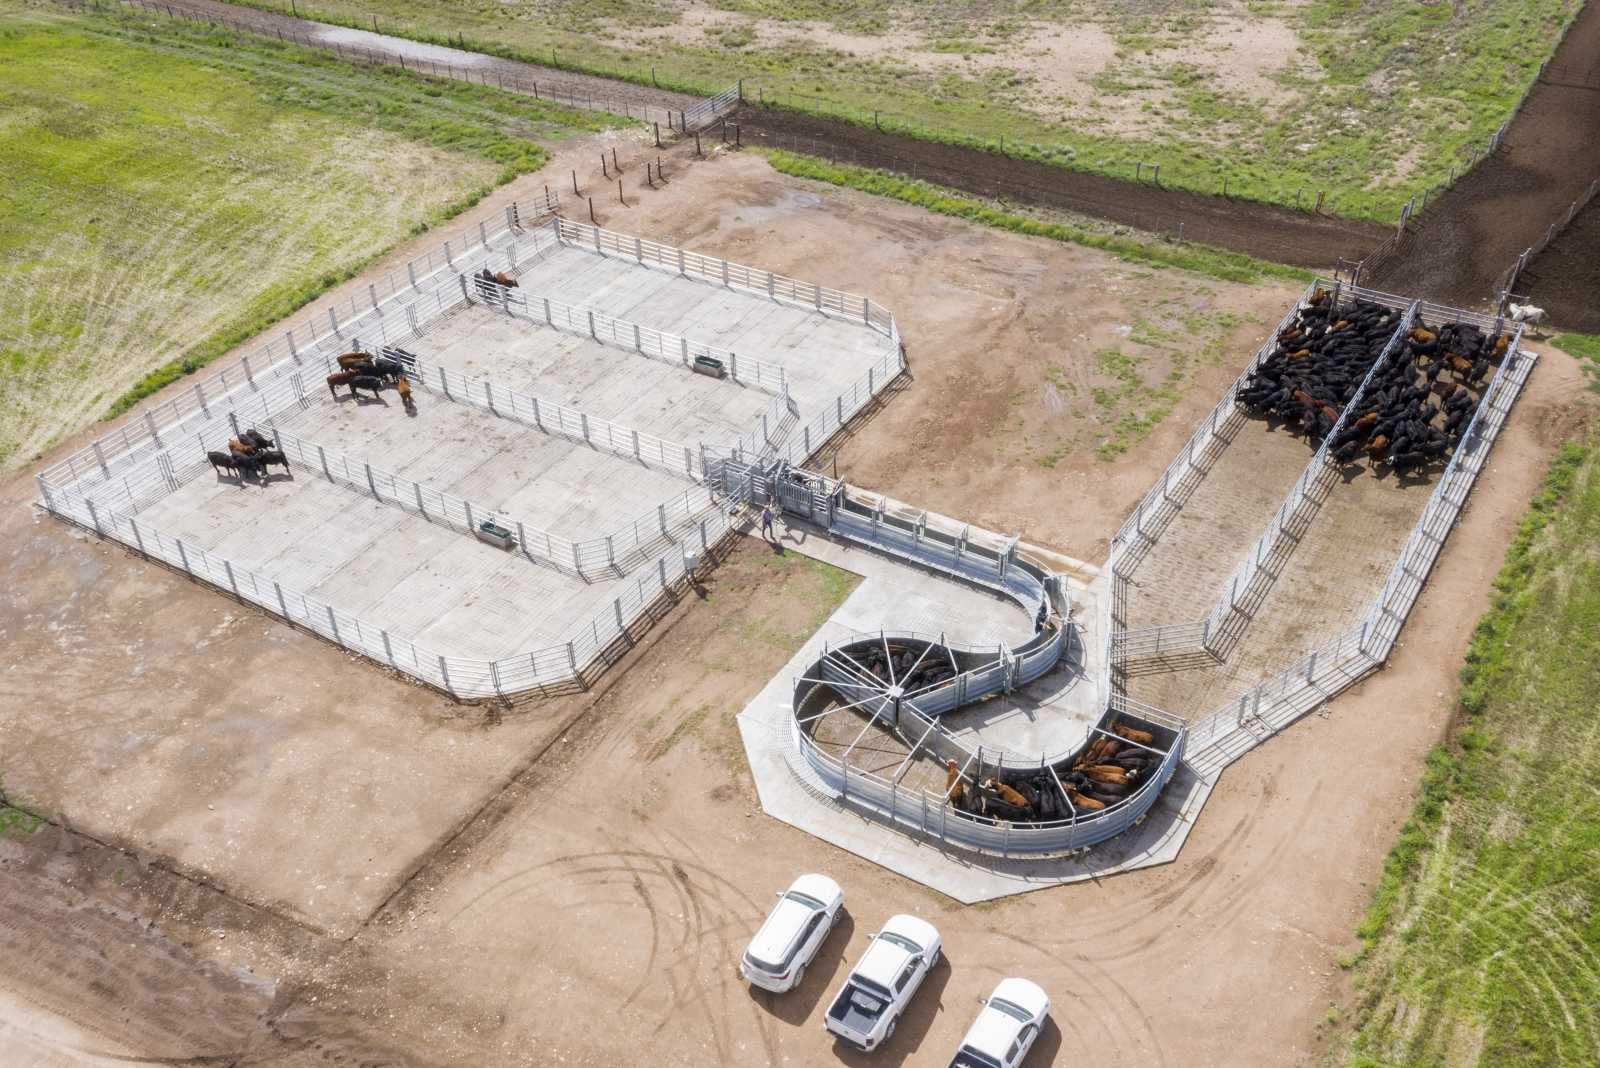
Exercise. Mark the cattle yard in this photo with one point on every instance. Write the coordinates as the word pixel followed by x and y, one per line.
pixel 580 417
pixel 552 468
pixel 1265 570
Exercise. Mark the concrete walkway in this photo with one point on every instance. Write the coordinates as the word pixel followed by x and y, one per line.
pixel 1050 715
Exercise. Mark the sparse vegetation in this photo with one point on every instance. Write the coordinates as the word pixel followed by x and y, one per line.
pixel 1369 102
pixel 1482 946
pixel 171 191
pixel 1585 347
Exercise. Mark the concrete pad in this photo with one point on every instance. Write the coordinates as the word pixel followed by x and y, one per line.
pixel 1051 715
pixel 414 578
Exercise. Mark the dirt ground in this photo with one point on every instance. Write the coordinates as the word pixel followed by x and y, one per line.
pixel 280 855
pixel 1471 235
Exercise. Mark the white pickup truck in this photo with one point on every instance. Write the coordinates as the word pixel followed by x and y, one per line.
pixel 1005 1030
pixel 881 985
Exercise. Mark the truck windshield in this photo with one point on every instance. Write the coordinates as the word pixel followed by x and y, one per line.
pixel 967 1057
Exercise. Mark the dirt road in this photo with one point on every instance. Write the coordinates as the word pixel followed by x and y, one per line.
pixel 1468 238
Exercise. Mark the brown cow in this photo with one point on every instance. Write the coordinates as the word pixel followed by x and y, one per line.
pixel 403 387
pixel 954 786
pixel 244 448
pixel 340 378
pixel 1133 734
pixel 1006 793
pixel 1084 801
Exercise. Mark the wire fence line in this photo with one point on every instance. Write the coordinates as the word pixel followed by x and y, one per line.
pixel 614 554
pixel 585 321
pixel 1129 166
pixel 472 70
pixel 1508 281
pixel 792 291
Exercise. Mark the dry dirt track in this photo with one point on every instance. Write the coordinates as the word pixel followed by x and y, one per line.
pixel 585 869
pixel 1467 239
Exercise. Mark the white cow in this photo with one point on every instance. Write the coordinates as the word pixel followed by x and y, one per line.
pixel 1526 313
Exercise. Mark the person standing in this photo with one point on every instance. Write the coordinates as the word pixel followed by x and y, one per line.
pixel 766 522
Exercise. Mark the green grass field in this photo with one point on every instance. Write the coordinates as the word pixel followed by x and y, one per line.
pixel 166 193
pixel 1371 101
pixel 1483 943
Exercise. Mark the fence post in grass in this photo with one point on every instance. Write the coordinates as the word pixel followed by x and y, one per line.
pixel 1138 170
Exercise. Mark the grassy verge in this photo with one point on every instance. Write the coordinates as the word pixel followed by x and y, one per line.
pixel 1482 946
pixel 1371 102
pixel 171 191
pixel 1152 252
pixel 1584 347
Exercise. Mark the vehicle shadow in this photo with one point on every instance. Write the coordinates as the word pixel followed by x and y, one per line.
pixel 911 1029
pixel 822 976
pixel 1045 1047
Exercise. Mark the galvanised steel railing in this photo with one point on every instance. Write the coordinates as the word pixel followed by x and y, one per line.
pixel 776 287
pixel 1245 721
pixel 392 311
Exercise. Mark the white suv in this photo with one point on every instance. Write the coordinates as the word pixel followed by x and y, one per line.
pixel 777 956
pixel 881 985
pixel 1004 1031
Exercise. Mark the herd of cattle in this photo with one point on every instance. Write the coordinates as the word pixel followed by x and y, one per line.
pixel 1417 405
pixel 248 455
pixel 1105 771
pixel 251 453
pixel 361 370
